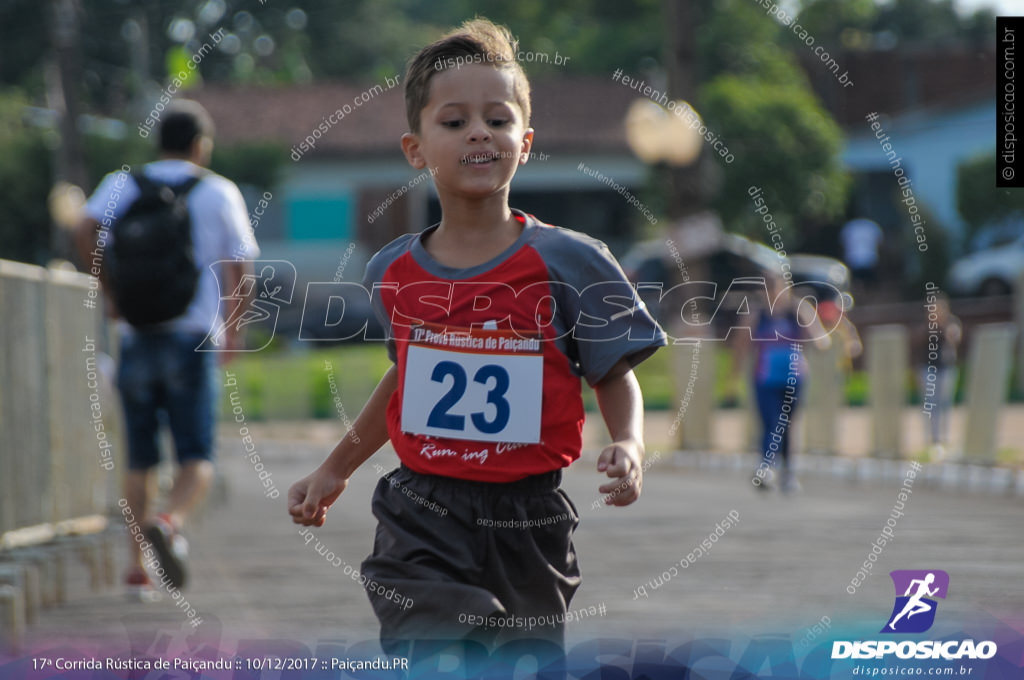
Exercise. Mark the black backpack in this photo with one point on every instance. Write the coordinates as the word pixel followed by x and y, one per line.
pixel 152 268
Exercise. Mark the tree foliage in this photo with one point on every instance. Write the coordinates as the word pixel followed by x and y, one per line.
pixel 752 93
pixel 760 103
pixel 25 171
pixel 864 24
pixel 125 45
pixel 785 144
pixel 978 200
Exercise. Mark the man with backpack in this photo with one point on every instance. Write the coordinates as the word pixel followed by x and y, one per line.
pixel 158 234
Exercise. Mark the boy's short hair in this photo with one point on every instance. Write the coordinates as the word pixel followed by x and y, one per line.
pixel 478 41
pixel 185 121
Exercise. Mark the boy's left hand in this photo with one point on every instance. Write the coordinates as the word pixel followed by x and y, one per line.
pixel 621 462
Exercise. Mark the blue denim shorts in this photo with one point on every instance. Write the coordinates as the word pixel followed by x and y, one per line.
pixel 163 379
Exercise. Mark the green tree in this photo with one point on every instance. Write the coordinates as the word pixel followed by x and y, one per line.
pixel 759 102
pixel 25 175
pixel 846 23
pixel 258 164
pixel 303 40
pixel 933 21
pixel 106 154
pixel 737 37
pixel 978 200
pixel 785 144
pixel 863 24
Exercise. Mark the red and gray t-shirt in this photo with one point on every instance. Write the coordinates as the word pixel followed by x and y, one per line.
pixel 490 358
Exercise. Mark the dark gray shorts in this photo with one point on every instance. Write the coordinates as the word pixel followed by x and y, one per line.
pixel 460 559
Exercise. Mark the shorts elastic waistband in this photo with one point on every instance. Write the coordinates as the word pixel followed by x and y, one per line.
pixel 548 481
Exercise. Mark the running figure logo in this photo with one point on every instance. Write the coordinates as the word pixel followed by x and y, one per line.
pixel 914 611
pixel 259 297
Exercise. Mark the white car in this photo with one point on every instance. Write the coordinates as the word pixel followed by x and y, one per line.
pixel 993 271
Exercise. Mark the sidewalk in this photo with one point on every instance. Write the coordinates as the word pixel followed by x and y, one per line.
pixel 256 584
pixel 731 428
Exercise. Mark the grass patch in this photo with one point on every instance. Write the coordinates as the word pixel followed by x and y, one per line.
pixel 317 383
pixel 299 385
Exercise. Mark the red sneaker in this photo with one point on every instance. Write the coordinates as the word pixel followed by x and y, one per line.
pixel 137 586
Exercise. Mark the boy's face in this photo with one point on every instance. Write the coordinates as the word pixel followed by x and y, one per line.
pixel 472 133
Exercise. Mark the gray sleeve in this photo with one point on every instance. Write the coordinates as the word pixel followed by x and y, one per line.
pixel 608 319
pixel 375 270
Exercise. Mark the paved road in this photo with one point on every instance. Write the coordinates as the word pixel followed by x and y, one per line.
pixel 782 567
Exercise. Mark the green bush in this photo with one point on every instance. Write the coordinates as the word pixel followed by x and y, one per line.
pixel 320 392
pixel 257 163
pixel 978 200
pixel 276 385
pixel 26 175
pixel 857 388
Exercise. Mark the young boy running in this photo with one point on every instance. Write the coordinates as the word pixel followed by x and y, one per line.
pixel 492 318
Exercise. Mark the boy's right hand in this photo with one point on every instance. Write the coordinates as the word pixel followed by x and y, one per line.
pixel 310 497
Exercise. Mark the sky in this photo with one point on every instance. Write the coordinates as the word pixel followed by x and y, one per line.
pixel 1002 7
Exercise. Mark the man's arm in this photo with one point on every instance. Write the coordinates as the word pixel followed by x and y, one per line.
pixel 85 238
pixel 622 407
pixel 233 272
pixel 310 497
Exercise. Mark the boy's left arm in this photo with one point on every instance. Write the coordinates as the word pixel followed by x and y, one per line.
pixel 622 406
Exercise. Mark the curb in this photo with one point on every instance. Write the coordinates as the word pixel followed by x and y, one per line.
pixel 959 477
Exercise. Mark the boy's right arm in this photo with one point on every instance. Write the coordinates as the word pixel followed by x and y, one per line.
pixel 310 497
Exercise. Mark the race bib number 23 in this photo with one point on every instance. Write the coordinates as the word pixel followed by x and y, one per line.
pixel 487 386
